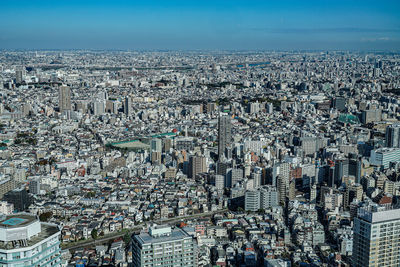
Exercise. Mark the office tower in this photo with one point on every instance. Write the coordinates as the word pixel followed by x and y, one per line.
pixel 167 144
pixel 383 157
pixel 292 190
pixel 376 235
pixel 64 98
pixel 222 168
pixel 19 197
pixel 371 115
pixel 393 135
pixel 252 200
pixel 313 194
pixel 197 164
pixel 128 106
pixel 224 134
pixel 219 181
pixel 344 168
pixel 18 76
pixel 256 175
pixel 156 145
pixel 236 175
pixel 262 198
pixel 282 189
pixel 164 246
pixel 35 244
pixel 99 107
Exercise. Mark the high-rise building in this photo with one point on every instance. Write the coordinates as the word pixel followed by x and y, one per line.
pixel 18 76
pixel 6 185
pixel 376 235
pixel 219 181
pixel 283 190
pixel 393 135
pixel 99 107
pixel 197 164
pixel 25 241
pixel 64 98
pixel 34 186
pixel 354 191
pixel 19 198
pixel 224 134
pixel 128 106
pixel 313 194
pixel 261 198
pixel 156 145
pixel 164 246
pixel 384 157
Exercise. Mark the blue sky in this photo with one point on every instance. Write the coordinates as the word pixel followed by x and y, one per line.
pixel 169 24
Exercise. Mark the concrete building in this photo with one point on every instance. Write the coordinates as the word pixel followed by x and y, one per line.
pixel 376 237
pixel 224 134
pixel 128 106
pixel 64 98
pixel 383 157
pixel 197 164
pixel 164 246
pixel 262 198
pixel 25 241
pixel 392 136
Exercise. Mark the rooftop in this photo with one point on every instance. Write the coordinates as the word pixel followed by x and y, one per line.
pixel 17 220
pixel 47 230
pixel 174 234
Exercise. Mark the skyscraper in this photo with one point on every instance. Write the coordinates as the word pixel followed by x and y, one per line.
pixel 375 240
pixel 18 76
pixel 128 106
pixel 64 98
pixel 224 134
pixel 393 135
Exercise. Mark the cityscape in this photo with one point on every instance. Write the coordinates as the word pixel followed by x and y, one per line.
pixel 202 157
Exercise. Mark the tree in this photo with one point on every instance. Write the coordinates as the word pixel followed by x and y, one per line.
pixel 44 217
pixel 127 238
pixel 94 233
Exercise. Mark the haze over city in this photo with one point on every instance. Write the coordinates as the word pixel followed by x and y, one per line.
pixel 207 25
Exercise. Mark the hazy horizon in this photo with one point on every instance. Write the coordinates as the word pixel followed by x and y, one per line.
pixel 200 25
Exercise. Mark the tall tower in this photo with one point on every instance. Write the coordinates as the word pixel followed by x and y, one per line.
pixel 128 106
pixel 64 98
pixel 224 134
pixel 376 235
pixel 197 164
pixel 393 135
pixel 18 76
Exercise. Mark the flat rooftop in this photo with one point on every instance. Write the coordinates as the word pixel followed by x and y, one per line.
pixel 46 231
pixel 380 216
pixel 17 220
pixel 175 234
